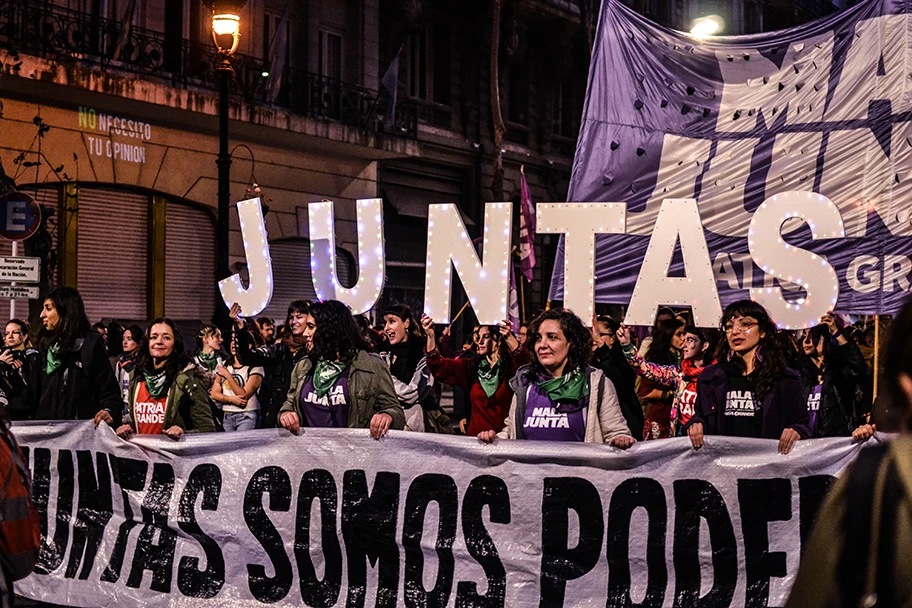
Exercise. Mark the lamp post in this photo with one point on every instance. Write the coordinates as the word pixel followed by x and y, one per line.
pixel 226 26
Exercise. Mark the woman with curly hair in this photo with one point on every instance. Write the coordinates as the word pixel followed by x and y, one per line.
pixel 168 393
pixel 485 377
pixel 750 392
pixel 559 397
pixel 339 384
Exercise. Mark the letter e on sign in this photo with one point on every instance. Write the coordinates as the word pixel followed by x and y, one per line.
pixel 20 216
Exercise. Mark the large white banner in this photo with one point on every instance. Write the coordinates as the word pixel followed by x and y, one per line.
pixel 334 518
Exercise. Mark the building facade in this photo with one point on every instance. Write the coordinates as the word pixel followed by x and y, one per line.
pixel 109 119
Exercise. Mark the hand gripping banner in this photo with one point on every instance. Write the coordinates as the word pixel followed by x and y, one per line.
pixel 334 518
pixel 824 108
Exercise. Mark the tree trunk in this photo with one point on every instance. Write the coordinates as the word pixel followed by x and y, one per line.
pixel 496 114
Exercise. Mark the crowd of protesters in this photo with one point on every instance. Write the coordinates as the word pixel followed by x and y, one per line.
pixel 558 378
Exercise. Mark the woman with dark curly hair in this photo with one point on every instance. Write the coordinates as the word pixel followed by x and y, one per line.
pixel 168 393
pixel 339 384
pixel 559 397
pixel 750 392
pixel 485 377
pixel 74 379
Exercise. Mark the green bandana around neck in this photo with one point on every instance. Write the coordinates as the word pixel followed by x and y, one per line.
pixel 155 383
pixel 210 361
pixel 488 376
pixel 53 360
pixel 569 387
pixel 325 375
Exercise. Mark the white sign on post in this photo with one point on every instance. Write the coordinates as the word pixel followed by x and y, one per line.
pixel 26 270
pixel 19 292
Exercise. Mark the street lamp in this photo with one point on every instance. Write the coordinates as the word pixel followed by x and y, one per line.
pixel 226 33
pixel 707 26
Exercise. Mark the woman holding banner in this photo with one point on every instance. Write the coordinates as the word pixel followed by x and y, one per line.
pixel 73 379
pixel 339 384
pixel 167 394
pixel 485 377
pixel 750 392
pixel 860 551
pixel 559 397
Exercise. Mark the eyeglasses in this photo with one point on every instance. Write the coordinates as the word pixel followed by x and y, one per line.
pixel 742 326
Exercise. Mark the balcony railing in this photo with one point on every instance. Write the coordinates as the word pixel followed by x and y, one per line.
pixel 66 36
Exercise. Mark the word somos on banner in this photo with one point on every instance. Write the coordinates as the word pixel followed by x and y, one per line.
pixel 332 517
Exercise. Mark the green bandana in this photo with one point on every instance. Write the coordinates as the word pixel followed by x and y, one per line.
pixel 487 376
pixel 326 374
pixel 53 360
pixel 210 361
pixel 569 387
pixel 155 383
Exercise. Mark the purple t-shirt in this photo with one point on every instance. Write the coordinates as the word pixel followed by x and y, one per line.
pixel 549 421
pixel 332 410
pixel 814 406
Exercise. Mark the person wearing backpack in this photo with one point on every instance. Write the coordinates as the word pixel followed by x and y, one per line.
pixel 74 379
pixel 20 530
pixel 860 551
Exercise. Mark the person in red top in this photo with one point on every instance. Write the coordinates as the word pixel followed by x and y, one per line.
pixel 486 376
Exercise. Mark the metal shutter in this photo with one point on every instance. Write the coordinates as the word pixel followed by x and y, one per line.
pixel 112 253
pixel 291 274
pixel 48 197
pixel 190 286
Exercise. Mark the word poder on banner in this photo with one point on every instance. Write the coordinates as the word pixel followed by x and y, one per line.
pixel 262 517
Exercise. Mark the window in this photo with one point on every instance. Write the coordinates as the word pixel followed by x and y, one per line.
pixel 562 109
pixel 427 61
pixel 518 94
pixel 271 25
pixel 418 65
pixel 330 56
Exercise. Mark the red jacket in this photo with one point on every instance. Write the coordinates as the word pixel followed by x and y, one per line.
pixel 488 413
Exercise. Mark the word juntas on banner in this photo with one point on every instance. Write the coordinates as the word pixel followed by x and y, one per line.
pixel 261 517
pixel 486 279
pixel 821 107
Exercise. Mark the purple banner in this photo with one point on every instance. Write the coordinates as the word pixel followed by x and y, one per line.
pixel 824 107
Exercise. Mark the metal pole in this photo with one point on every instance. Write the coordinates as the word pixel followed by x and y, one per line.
pixel 223 162
pixel 13 284
pixel 876 353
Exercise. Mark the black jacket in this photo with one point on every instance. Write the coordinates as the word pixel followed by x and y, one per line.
pixel 13 381
pixel 842 392
pixel 615 367
pixel 82 385
pixel 278 362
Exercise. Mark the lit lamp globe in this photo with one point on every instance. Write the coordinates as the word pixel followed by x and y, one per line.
pixel 704 27
pixel 226 24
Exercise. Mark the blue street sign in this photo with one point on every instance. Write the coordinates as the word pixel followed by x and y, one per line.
pixel 20 216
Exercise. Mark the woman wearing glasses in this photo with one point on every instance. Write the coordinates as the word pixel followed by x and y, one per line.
pixel 750 392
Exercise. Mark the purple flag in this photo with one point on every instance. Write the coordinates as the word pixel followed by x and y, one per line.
pixel 733 121
pixel 526 228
